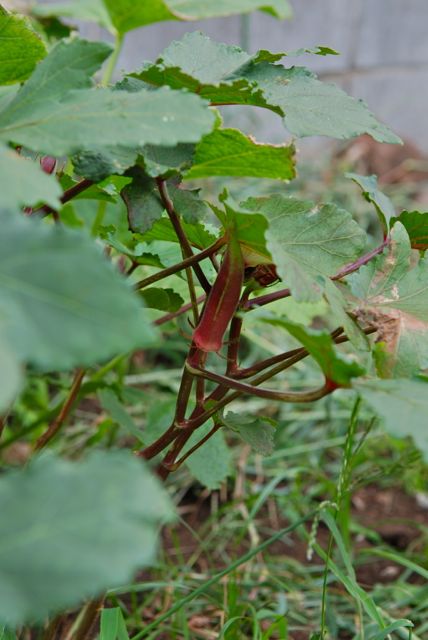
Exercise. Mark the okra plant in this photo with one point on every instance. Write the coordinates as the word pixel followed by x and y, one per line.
pixel 116 231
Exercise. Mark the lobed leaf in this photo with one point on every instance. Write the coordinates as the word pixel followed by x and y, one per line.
pixel 257 431
pixel 307 243
pixel 416 225
pixel 62 304
pixel 98 119
pixel 57 97
pixel 383 205
pixel 20 48
pixel 10 375
pixel 228 152
pixel 72 529
pixel 211 464
pixel 228 75
pixel 337 367
pixel 403 405
pixel 122 16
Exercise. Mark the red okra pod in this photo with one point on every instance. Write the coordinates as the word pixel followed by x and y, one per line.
pixel 222 300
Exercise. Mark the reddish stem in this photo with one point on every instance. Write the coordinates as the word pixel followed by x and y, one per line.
pixel 71 193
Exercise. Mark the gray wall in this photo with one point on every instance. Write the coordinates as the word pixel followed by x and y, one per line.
pixel 383 46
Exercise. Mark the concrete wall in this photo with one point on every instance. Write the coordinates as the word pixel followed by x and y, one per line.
pixel 383 46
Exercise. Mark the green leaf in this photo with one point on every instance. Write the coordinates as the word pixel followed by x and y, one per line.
pixel 85 10
pixel 91 119
pixel 228 75
pixel 199 9
pixel 336 299
pixel 314 108
pixel 69 65
pixel 228 152
pixel 142 201
pixel 385 634
pixel 188 204
pixel 392 291
pixel 112 625
pixel 166 161
pixel 383 205
pixel 349 579
pixel 72 529
pixel 198 235
pixel 257 431
pixel 162 299
pixel 97 165
pixel 211 464
pixel 62 303
pixel 24 183
pixel 250 230
pixel 299 312
pixel 98 119
pixel 125 15
pixel 20 48
pixel 308 243
pixel 416 225
pixel 111 404
pixel 202 65
pixel 336 366
pixel 403 405
pixel 10 376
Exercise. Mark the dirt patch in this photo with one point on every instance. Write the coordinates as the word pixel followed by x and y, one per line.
pixel 390 516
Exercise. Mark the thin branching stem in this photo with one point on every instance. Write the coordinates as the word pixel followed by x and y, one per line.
pixel 184 242
pixel 56 425
pixel 180 266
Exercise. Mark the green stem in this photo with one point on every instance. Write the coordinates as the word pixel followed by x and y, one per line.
pixel 99 218
pixel 182 238
pixel 184 264
pixel 111 64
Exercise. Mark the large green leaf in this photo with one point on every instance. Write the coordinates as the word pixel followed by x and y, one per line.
pixel 22 182
pixel 392 292
pixel 72 529
pixel 257 431
pixel 86 10
pixel 162 299
pixel 416 225
pixel 314 108
pixel 20 48
pixel 100 119
pixel 166 161
pixel 199 9
pixel 228 152
pixel 403 404
pixel 69 65
pixel 336 366
pixel 308 243
pixel 10 375
pixel 228 75
pixel 61 302
pixel 211 464
pixel 142 201
pixel 124 15
pixel 383 205
pixel 198 235
pixel 91 119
